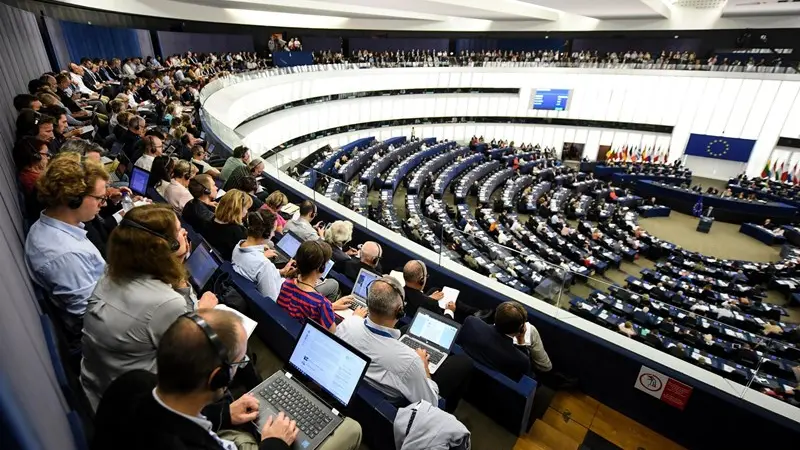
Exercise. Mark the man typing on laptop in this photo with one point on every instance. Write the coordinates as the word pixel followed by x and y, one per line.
pixel 396 369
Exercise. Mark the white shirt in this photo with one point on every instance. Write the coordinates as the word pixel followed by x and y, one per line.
pixel 251 263
pixel 78 81
pixel 145 162
pixel 396 369
pixel 199 420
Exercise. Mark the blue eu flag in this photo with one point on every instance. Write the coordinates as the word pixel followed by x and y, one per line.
pixel 719 147
pixel 697 210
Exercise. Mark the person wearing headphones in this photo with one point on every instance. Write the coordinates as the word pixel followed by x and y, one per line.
pixel 152 148
pixel 143 291
pixel 177 193
pixel 199 212
pixel 186 403
pixel 305 297
pixel 31 157
pixel 58 255
pixel 415 275
pixel 251 256
pixel 370 259
pixel 199 155
pixel 240 157
pixel 135 132
pixel 396 369
pixel 302 227
pixel 511 346
pixel 227 229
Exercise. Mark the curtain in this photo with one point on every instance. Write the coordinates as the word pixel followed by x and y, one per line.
pixel 26 370
pixel 92 41
pixel 173 42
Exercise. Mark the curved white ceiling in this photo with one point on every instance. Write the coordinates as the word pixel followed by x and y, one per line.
pixel 471 15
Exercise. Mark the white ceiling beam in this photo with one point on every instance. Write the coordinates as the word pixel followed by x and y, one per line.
pixel 659 6
pixel 339 8
pixel 511 7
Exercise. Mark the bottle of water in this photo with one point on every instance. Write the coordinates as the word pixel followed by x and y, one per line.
pixel 127 203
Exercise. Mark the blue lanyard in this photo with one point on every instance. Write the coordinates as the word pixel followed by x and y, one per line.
pixel 377 331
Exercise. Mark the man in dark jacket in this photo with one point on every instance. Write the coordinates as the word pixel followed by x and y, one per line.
pixel 371 253
pixel 415 276
pixel 179 408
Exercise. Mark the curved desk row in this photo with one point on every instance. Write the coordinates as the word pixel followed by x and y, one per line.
pixel 725 209
pixel 623 179
pixel 736 189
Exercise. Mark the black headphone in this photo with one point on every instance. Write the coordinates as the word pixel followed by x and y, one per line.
pixel 75 202
pixel 174 245
pixel 400 313
pixel 222 378
pixel 206 190
pixel 35 155
pixel 266 233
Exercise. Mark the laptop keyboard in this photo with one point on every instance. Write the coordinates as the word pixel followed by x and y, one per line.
pixel 285 397
pixel 356 304
pixel 434 355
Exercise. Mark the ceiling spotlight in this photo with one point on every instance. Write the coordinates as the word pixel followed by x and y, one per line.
pixel 547 37
pixel 676 36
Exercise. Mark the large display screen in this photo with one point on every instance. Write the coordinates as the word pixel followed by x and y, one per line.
pixel 551 99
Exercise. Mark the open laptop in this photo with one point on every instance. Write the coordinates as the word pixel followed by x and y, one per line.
pixel 322 375
pixel 201 265
pixel 361 288
pixel 288 245
pixel 138 182
pixel 434 333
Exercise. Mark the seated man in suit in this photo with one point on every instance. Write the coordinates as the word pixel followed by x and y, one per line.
pixel 415 274
pixel 370 259
pixel 511 346
pixel 172 409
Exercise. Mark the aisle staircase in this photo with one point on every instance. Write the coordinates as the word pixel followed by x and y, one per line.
pixel 576 421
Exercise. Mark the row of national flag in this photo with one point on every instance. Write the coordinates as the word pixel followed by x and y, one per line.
pixel 772 170
pixel 634 154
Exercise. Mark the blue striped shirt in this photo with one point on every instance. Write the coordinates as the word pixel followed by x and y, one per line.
pixel 304 305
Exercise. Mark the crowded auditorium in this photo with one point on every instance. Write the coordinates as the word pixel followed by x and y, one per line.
pixel 364 225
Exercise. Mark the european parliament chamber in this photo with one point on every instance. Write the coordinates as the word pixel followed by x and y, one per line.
pixel 353 225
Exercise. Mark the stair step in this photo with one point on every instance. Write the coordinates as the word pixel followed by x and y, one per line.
pixel 578 406
pixel 565 424
pixel 546 436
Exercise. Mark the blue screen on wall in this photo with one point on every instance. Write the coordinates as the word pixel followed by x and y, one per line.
pixel 551 99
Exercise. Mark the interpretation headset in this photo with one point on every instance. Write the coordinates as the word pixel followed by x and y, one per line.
pixel 222 378
pixel 75 201
pixel 424 271
pixel 188 174
pixel 265 234
pixel 400 313
pixel 377 259
pixel 206 190
pixel 174 245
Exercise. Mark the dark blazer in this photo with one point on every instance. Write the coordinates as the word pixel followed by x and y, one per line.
pixel 129 418
pixel 417 299
pixel 352 267
pixel 98 230
pixel 340 259
pixel 492 348
pixel 68 102
pixel 198 215
pixel 90 79
pixel 224 237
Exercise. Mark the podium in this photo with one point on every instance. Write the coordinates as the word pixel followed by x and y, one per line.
pixel 704 226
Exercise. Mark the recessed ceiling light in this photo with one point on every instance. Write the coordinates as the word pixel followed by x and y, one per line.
pixel 676 36
pixel 547 37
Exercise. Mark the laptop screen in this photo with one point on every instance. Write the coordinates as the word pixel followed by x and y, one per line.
pixel 328 267
pixel 328 362
pixel 363 280
pixel 138 181
pixel 432 329
pixel 201 266
pixel 289 244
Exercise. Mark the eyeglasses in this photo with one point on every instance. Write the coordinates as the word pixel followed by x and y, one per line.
pixel 102 199
pixel 242 363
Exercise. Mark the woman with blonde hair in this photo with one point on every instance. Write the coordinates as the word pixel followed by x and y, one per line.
pixel 226 230
pixel 143 291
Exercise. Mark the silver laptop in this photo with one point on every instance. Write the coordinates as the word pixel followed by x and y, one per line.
pixel 322 375
pixel 361 288
pixel 434 333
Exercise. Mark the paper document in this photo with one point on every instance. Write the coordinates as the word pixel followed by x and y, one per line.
pixel 727 368
pixel 220 193
pixel 398 276
pixel 450 295
pixel 87 129
pixel 249 324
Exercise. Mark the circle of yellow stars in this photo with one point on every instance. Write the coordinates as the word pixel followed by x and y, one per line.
pixel 722 152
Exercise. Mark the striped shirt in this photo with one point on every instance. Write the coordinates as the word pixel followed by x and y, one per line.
pixel 302 305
